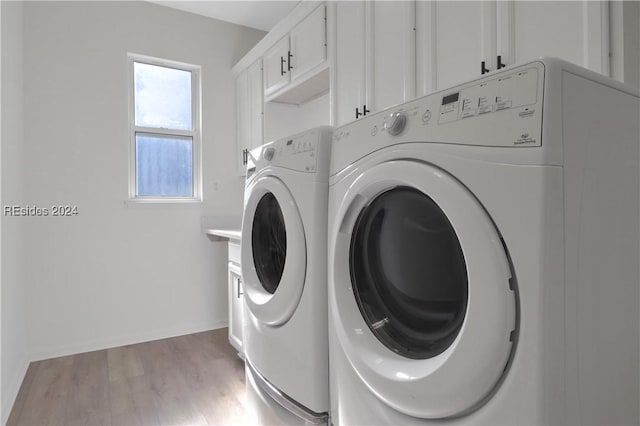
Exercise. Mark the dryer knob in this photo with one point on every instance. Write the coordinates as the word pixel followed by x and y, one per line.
pixel 268 153
pixel 395 123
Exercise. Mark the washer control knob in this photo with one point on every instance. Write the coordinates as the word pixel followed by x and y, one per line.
pixel 395 123
pixel 268 153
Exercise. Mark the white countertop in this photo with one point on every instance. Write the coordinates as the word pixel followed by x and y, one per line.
pixel 223 234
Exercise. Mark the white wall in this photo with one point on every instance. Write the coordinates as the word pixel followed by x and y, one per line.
pixel 119 273
pixel 282 120
pixel 14 343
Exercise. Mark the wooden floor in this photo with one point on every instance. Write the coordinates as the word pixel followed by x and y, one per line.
pixel 196 379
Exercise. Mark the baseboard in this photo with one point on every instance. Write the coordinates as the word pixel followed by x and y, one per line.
pixel 9 397
pixel 112 342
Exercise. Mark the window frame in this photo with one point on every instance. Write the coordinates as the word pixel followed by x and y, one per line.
pixel 194 134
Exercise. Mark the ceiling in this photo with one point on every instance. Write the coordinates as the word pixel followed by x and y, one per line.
pixel 262 15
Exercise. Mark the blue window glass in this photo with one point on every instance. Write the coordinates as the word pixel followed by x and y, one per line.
pixel 164 165
pixel 162 97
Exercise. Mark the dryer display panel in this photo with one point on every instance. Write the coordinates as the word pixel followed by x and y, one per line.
pixel 269 242
pixel 408 273
pixel 515 90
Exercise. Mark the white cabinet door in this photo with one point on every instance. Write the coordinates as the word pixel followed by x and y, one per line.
pixel 236 306
pixel 576 31
pixel 350 60
pixel 308 43
pixel 391 53
pixel 243 113
pixel 276 72
pixel 256 103
pixel 459 46
pixel 455 38
pixel 375 56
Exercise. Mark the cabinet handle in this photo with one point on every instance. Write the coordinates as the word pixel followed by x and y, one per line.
pixel 239 292
pixel 282 61
pixel 363 113
pixel 289 56
pixel 500 64
pixel 245 156
pixel 483 68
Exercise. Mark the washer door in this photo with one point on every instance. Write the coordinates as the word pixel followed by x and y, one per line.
pixel 273 251
pixel 421 290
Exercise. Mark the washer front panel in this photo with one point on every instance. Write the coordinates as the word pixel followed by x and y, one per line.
pixel 459 378
pixel 277 306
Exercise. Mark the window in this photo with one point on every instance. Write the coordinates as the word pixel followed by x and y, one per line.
pixel 164 127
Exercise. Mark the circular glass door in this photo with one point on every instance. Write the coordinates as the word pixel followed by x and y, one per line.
pixel 269 242
pixel 408 273
pixel 273 251
pixel 419 289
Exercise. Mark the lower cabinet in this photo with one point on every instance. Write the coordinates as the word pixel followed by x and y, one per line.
pixel 236 302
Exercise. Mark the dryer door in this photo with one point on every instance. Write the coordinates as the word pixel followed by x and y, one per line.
pixel 273 251
pixel 421 292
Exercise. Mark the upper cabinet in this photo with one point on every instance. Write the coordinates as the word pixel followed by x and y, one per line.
pixel 350 84
pixel 459 41
pixel 375 56
pixel 284 81
pixel 308 42
pixel 450 42
pixel 243 138
pixel 297 56
pixel 250 111
pixel 277 64
pixel 354 58
pixel 577 31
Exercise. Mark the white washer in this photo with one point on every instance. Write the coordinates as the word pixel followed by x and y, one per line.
pixel 284 270
pixel 483 255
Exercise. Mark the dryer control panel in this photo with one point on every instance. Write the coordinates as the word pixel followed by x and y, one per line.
pixel 299 152
pixel 503 109
pixel 515 90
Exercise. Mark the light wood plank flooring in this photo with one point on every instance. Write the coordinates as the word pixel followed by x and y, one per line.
pixel 196 379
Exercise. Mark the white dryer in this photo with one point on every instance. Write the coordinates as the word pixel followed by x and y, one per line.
pixel 483 255
pixel 284 270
